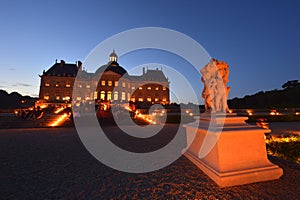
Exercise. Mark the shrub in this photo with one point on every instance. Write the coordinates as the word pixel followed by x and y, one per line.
pixel 287 148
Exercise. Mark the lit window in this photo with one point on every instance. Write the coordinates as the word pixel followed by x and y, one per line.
pixel 133 99
pixel 123 97
pixel 149 99
pixel 103 83
pixel 116 83
pixel 140 99
pixel 157 88
pixel 140 88
pixel 46 97
pixel 68 85
pixel 56 85
pixel 47 84
pixel 164 88
pixel 148 88
pixel 116 95
pixel 109 95
pixel 87 98
pixel 123 84
pixel 133 88
pixel 109 83
pixel 102 95
pixel 128 96
pixel 128 85
pixel 78 98
pixel 156 99
pixel 67 98
pixel 79 85
pixel 95 95
pixel 164 99
pixel 57 97
pixel 88 86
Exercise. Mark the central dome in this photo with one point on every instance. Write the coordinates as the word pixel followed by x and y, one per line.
pixel 112 65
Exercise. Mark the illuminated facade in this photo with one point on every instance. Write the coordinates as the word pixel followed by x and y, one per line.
pixel 114 84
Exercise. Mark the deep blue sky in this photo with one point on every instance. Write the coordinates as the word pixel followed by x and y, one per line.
pixel 259 40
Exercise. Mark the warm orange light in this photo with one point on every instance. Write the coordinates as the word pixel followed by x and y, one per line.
pixel 58 110
pixel 59 120
pixel 43 106
pixel 146 118
pixel 128 108
pixel 283 139
pixel 249 112
pixel 105 107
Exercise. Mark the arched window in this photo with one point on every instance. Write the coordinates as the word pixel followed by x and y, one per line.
pixel 123 97
pixel 116 95
pixel 102 95
pixel 109 95
pixel 95 95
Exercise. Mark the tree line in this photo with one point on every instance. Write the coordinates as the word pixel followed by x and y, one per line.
pixel 287 97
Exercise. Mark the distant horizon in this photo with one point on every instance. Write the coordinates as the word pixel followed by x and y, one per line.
pixel 24 95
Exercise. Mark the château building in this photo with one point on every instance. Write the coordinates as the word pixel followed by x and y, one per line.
pixel 112 82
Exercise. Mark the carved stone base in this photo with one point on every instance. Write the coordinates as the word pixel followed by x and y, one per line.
pixel 238 155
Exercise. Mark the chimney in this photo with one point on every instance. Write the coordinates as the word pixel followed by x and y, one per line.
pixel 79 65
pixel 62 62
pixel 143 70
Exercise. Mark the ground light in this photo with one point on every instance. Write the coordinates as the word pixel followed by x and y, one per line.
pixel 59 120
pixel 59 110
pixel 140 116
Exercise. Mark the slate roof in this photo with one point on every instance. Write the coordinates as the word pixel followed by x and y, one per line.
pixel 70 70
pixel 154 75
pixel 111 66
pixel 150 75
pixel 62 69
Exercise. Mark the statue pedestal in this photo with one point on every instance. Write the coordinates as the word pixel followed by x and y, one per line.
pixel 238 154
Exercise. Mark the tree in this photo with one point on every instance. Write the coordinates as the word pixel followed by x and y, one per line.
pixel 290 84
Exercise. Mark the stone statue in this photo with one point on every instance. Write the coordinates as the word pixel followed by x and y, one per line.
pixel 215 92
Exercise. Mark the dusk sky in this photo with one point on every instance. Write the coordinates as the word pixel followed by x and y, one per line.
pixel 259 40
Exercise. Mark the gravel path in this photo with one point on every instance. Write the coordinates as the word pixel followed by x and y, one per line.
pixel 49 163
